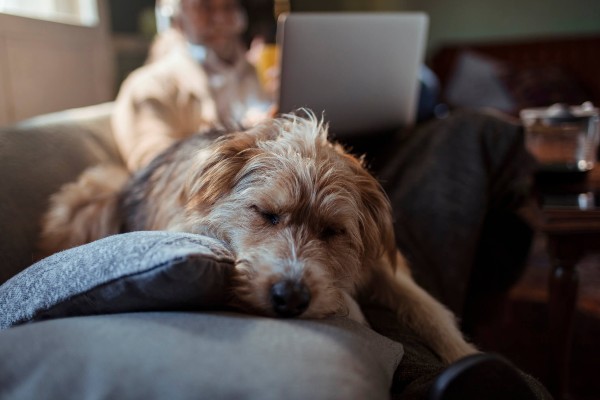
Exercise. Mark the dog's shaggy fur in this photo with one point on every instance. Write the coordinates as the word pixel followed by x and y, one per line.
pixel 311 229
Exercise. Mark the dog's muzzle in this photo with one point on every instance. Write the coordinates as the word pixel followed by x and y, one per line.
pixel 289 298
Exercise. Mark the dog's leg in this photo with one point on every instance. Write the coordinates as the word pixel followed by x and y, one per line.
pixel 83 211
pixel 420 311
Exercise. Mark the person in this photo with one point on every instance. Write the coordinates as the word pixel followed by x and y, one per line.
pixel 196 77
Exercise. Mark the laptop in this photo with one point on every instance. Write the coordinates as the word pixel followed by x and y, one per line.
pixel 360 69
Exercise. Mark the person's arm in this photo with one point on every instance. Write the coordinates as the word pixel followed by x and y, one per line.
pixel 153 110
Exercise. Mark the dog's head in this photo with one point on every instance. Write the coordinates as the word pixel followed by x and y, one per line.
pixel 304 218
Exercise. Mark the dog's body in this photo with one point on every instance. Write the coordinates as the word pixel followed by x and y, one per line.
pixel 311 229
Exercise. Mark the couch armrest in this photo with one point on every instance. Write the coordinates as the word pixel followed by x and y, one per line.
pixel 37 156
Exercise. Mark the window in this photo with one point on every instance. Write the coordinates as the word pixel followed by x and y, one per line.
pixel 77 12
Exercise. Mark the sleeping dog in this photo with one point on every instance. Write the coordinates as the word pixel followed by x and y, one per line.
pixel 310 228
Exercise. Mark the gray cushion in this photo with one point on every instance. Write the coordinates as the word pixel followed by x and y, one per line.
pixel 178 355
pixel 172 355
pixel 129 272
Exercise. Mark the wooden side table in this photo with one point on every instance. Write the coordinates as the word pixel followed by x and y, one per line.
pixel 569 216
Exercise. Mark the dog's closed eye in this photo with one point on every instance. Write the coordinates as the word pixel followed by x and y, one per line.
pixel 330 232
pixel 269 217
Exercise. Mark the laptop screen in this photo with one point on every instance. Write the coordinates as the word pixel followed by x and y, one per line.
pixel 359 69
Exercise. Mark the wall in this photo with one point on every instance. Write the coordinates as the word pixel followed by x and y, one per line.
pixel 476 20
pixel 347 5
pixel 48 66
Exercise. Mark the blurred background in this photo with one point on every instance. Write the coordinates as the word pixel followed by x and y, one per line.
pixel 57 54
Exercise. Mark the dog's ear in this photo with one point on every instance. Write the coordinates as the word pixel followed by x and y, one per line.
pixel 216 174
pixel 378 229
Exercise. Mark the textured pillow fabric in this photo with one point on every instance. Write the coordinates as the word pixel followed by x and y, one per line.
pixel 129 272
pixel 175 355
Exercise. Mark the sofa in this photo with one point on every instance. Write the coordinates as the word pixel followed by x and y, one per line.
pixel 143 315
pixel 513 74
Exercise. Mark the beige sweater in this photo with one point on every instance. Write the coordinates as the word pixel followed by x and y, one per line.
pixel 174 96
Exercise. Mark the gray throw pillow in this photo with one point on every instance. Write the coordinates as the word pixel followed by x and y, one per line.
pixel 170 355
pixel 192 355
pixel 134 271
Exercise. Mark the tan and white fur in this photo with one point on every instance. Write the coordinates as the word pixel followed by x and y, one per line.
pixel 310 228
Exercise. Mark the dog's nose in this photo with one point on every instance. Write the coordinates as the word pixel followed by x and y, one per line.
pixel 289 298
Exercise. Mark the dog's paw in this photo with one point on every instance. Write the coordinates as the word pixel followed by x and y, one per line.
pixel 457 350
